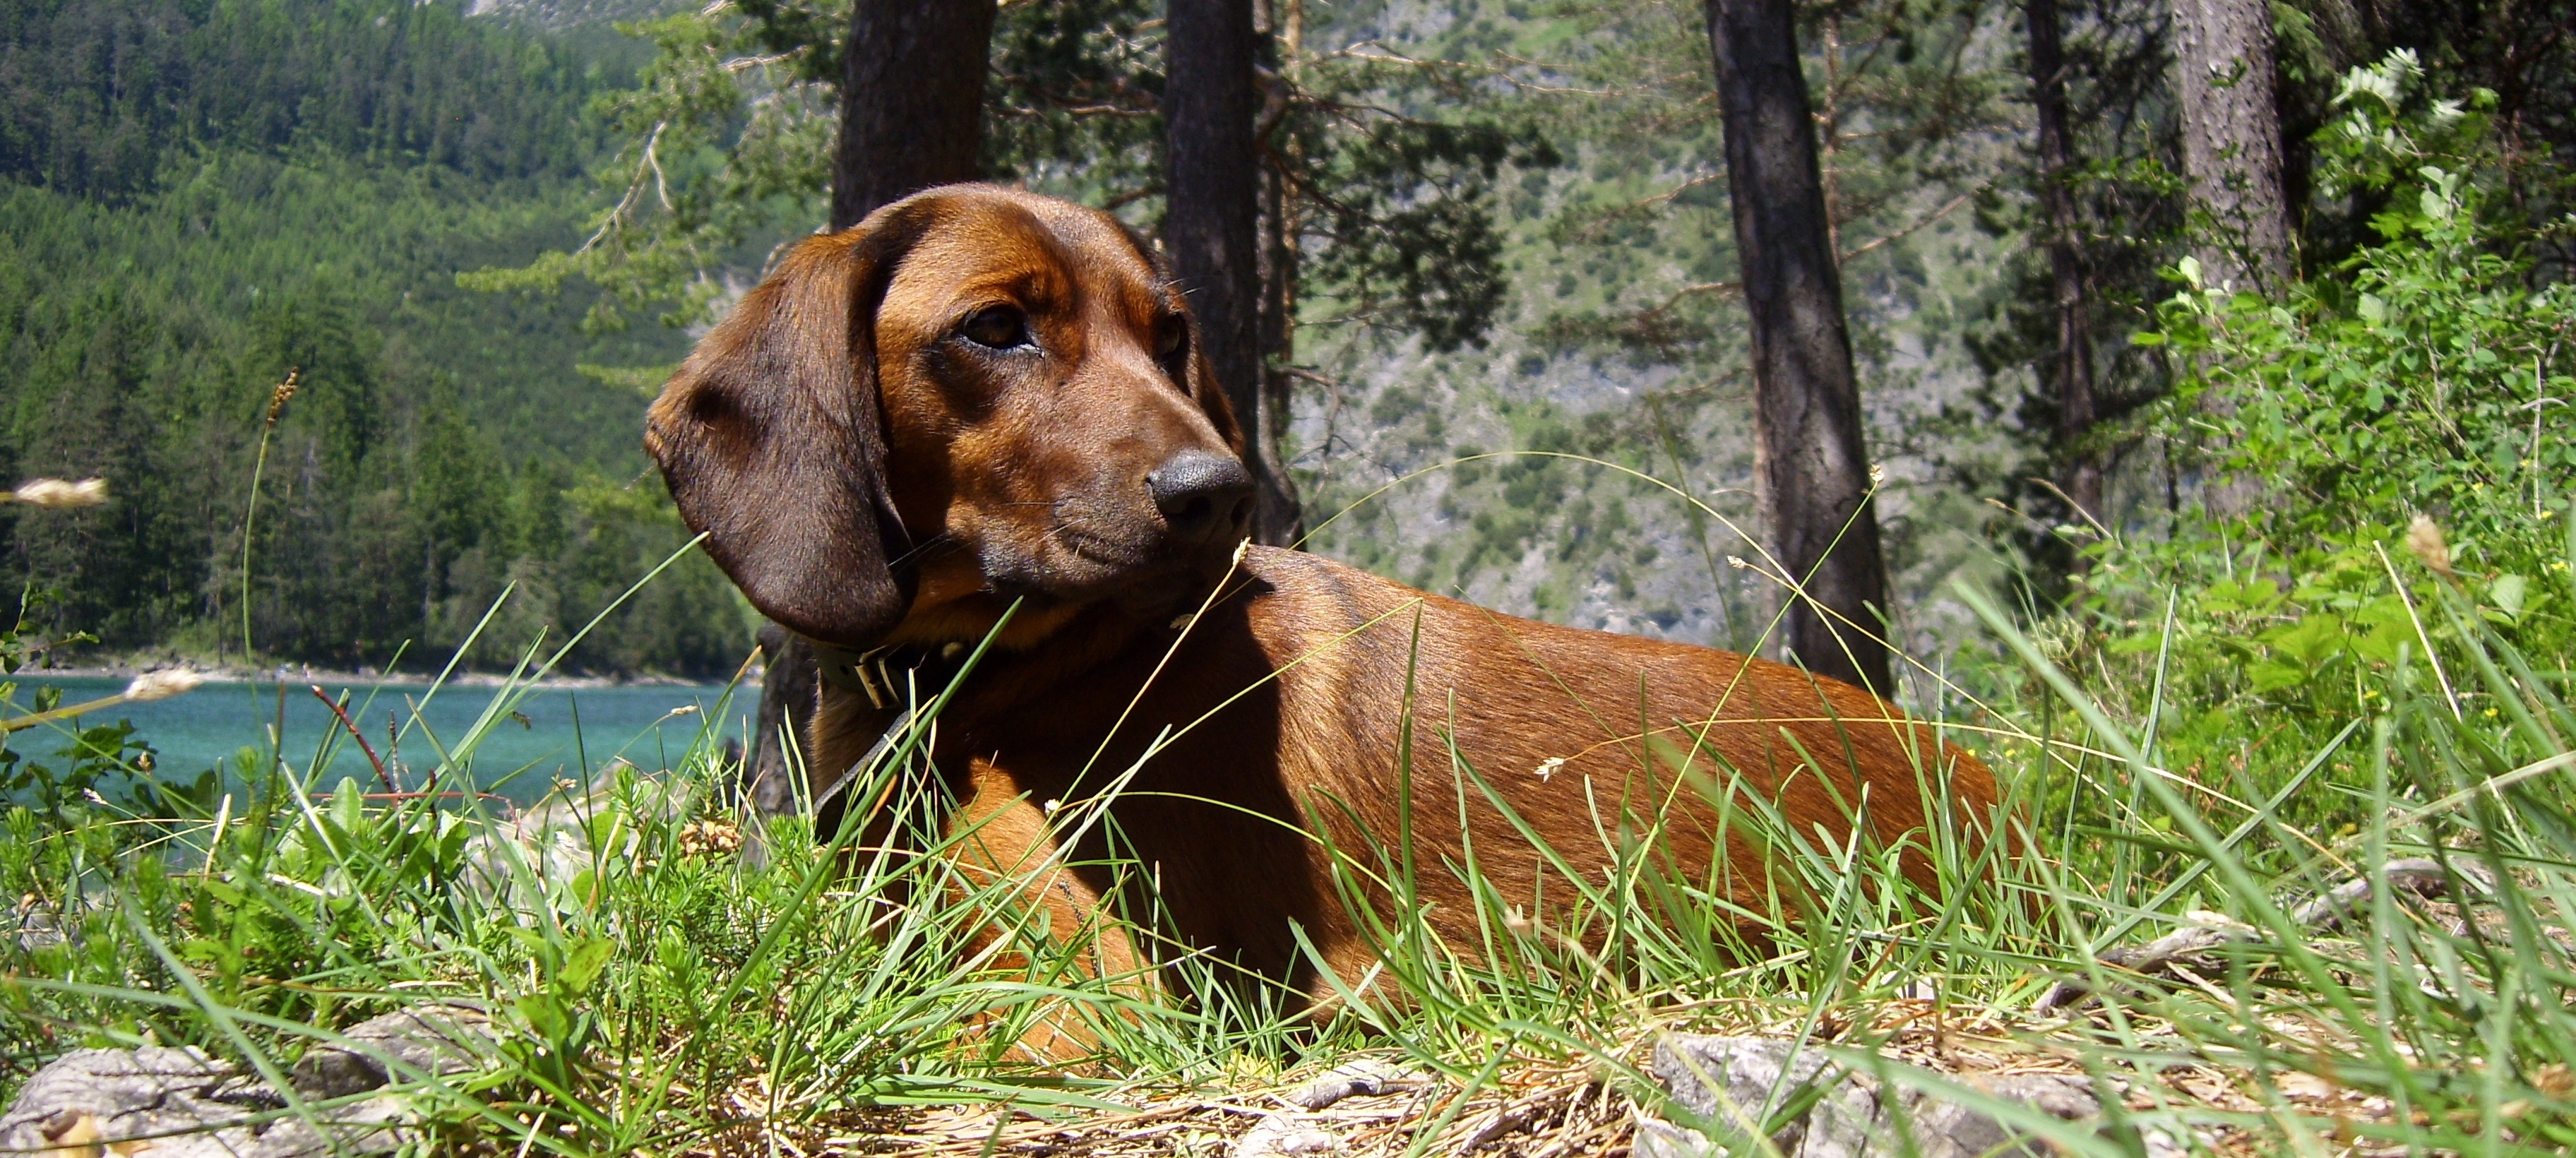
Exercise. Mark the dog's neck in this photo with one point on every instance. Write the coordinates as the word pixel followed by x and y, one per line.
pixel 892 675
pixel 934 624
pixel 910 669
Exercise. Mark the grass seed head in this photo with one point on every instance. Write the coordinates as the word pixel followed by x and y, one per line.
pixel 54 492
pixel 2424 538
pixel 285 392
pixel 163 684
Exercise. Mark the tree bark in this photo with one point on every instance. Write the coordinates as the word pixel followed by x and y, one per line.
pixel 2231 133
pixel 786 703
pixel 912 100
pixel 1211 223
pixel 2079 472
pixel 1285 524
pixel 912 116
pixel 1814 469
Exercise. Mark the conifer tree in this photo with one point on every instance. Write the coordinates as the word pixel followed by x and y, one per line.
pixel 912 100
pixel 2079 467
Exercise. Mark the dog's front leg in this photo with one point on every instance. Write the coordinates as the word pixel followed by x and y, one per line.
pixel 1038 915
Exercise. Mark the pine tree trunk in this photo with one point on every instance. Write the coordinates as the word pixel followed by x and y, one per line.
pixel 787 684
pixel 1814 470
pixel 912 100
pixel 1211 223
pixel 912 116
pixel 2079 472
pixel 1285 524
pixel 2231 134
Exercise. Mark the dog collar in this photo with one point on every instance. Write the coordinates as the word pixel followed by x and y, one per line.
pixel 889 676
pixel 892 679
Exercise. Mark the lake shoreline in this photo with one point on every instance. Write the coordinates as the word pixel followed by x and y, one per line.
pixel 300 674
pixel 555 730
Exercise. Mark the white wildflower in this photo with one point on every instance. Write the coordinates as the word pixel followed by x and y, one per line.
pixel 54 492
pixel 1548 767
pixel 163 684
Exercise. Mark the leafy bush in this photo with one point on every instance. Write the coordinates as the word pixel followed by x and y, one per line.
pixel 2418 378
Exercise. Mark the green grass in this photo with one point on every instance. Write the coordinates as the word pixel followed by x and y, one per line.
pixel 660 994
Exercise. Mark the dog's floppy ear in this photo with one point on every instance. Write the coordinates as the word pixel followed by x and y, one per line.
pixel 772 439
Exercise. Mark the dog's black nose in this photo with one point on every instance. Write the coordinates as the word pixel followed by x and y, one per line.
pixel 1202 496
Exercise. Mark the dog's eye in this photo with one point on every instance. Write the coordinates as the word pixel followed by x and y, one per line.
pixel 1171 338
pixel 1000 327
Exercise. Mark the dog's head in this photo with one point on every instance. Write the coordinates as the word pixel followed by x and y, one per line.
pixel 973 395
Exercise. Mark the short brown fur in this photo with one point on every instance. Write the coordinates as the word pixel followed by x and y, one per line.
pixel 871 475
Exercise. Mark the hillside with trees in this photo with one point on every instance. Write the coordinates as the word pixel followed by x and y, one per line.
pixel 197 200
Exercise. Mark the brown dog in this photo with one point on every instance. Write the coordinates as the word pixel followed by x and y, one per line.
pixel 978 396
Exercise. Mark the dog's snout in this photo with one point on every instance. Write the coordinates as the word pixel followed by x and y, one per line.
pixel 1201 495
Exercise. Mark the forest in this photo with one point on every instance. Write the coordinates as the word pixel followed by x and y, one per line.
pixel 197 199
pixel 2166 402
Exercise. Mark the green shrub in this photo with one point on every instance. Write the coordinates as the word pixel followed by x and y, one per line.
pixel 2415 378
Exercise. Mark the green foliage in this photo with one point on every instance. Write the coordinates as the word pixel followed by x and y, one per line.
pixel 2385 450
pixel 93 762
pixel 719 142
pixel 726 145
pixel 2415 380
pixel 1432 264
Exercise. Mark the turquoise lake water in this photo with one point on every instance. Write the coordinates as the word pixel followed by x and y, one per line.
pixel 520 758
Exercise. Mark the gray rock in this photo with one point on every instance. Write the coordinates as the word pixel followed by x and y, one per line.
pixel 2424 878
pixel 1657 1138
pixel 1277 1137
pixel 188 1105
pixel 1742 1083
pixel 2194 944
pixel 527 861
pixel 402 1046
pixel 1358 1078
pixel 185 1104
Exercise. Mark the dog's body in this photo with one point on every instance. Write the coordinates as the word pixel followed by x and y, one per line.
pixel 979 397
pixel 1288 696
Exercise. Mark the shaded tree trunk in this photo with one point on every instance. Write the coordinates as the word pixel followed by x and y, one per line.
pixel 1212 219
pixel 786 702
pixel 912 100
pixel 2079 469
pixel 912 116
pixel 1285 523
pixel 1814 470
pixel 2231 132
